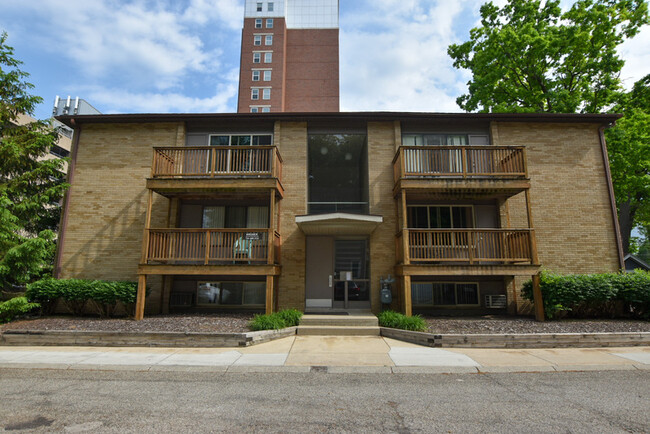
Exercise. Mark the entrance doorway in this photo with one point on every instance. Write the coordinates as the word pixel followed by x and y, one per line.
pixel 329 261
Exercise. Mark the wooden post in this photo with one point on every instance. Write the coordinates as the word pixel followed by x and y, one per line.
pixel 147 225
pixel 142 291
pixel 532 239
pixel 269 294
pixel 271 232
pixel 537 299
pixel 408 311
pixel 207 247
pixel 463 153
pixel 405 231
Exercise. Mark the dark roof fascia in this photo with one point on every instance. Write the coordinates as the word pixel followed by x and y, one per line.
pixel 637 260
pixel 602 119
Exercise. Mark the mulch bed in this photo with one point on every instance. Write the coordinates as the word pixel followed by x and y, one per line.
pixel 238 323
pixel 510 324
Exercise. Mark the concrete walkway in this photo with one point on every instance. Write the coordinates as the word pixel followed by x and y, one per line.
pixel 327 354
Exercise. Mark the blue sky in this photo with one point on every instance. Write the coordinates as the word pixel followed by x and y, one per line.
pixel 156 56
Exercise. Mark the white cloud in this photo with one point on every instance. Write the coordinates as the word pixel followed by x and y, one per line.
pixel 637 57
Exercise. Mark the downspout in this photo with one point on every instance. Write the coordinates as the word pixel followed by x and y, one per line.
pixel 612 200
pixel 66 201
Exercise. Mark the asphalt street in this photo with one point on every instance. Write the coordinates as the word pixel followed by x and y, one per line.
pixel 36 400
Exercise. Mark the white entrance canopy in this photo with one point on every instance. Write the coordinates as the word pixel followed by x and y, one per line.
pixel 338 224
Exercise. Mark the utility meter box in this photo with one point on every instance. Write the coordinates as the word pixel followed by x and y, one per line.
pixel 386 296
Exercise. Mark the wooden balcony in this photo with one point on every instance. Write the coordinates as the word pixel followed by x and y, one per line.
pixel 473 251
pixel 498 169
pixel 183 168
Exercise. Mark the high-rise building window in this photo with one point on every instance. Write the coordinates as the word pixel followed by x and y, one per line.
pixel 266 109
pixel 253 109
pixel 257 40
pixel 255 93
pixel 258 23
pixel 269 23
pixel 269 7
pixel 268 57
pixel 266 93
pixel 257 57
pixel 256 75
pixel 267 75
pixel 268 40
pixel 259 6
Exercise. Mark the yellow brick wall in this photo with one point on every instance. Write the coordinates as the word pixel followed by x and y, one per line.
pixel 381 150
pixel 108 202
pixel 291 139
pixel 569 196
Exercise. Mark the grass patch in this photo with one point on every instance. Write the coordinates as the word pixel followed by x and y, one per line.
pixel 397 320
pixel 276 320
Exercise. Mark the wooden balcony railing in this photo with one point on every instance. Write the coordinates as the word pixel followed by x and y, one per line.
pixel 466 245
pixel 216 161
pixel 211 246
pixel 460 161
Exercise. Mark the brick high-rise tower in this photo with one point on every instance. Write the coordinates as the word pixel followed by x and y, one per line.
pixel 289 56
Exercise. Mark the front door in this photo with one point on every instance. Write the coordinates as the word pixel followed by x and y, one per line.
pixel 329 261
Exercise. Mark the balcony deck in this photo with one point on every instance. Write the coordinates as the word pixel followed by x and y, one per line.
pixel 464 170
pixel 180 169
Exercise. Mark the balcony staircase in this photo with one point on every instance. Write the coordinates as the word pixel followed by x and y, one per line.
pixel 354 323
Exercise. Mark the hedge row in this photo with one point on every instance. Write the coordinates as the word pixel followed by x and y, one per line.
pixel 77 295
pixel 276 320
pixel 396 320
pixel 594 295
pixel 15 307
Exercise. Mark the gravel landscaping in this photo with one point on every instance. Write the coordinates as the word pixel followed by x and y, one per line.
pixel 238 323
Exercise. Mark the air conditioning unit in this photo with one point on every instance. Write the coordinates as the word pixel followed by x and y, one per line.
pixel 495 301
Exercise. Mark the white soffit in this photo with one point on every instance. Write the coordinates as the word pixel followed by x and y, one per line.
pixel 338 224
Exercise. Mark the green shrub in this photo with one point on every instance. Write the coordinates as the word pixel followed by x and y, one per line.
pixel 15 307
pixel 593 295
pixel 291 317
pixel 272 321
pixel 46 292
pixel 397 320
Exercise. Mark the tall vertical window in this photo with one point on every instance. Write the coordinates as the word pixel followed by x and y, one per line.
pixel 267 75
pixel 338 173
pixel 268 40
pixel 257 57
pixel 259 7
pixel 256 76
pixel 255 93
pixel 269 7
pixel 266 93
pixel 269 23
pixel 257 40
pixel 268 57
pixel 258 23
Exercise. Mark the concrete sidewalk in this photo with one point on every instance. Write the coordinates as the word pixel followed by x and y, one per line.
pixel 327 354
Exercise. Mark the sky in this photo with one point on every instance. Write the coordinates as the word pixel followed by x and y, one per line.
pixel 173 56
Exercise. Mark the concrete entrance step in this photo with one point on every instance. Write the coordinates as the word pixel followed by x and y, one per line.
pixel 340 320
pixel 324 330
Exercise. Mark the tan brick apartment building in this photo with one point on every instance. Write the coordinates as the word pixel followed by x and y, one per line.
pixel 266 211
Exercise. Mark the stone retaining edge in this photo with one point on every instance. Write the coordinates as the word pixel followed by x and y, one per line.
pixel 532 340
pixel 140 339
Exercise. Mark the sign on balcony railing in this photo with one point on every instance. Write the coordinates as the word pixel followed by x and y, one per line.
pixel 470 245
pixel 465 161
pixel 209 161
pixel 208 246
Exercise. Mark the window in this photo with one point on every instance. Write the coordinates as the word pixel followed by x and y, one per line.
pixel 440 217
pixel 269 23
pixel 266 93
pixel 253 109
pixel 231 293
pixel 241 140
pixel 267 75
pixel 269 7
pixel 257 57
pixel 253 217
pixel 268 57
pixel 268 40
pixel 61 152
pixel 255 93
pixel 256 76
pixel 258 23
pixel 266 109
pixel 444 294
pixel 259 7
pixel 257 40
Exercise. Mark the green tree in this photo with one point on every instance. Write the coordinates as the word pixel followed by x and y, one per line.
pixel 628 146
pixel 30 187
pixel 532 57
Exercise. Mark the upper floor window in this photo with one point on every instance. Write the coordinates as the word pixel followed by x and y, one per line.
pixel 268 57
pixel 444 139
pixel 258 23
pixel 266 109
pixel 259 7
pixel 257 40
pixel 267 75
pixel 269 6
pixel 256 76
pixel 255 93
pixel 268 40
pixel 266 93
pixel 253 109
pixel 269 23
pixel 440 217
pixel 241 139
pixel 257 57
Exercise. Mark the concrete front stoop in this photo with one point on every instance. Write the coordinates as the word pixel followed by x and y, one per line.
pixel 359 324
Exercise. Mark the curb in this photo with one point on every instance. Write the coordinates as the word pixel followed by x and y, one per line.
pixel 523 340
pixel 140 339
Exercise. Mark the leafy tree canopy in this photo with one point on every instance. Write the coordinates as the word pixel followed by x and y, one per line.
pixel 30 186
pixel 532 57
